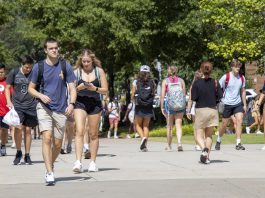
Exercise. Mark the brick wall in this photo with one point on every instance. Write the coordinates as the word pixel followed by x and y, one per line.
pixel 251 74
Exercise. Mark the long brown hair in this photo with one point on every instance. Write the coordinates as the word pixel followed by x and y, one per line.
pixel 95 61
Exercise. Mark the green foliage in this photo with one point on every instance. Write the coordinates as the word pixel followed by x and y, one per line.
pixel 235 26
pixel 187 129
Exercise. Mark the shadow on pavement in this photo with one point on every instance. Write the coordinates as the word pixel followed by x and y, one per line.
pixel 62 179
pixel 219 161
pixel 106 155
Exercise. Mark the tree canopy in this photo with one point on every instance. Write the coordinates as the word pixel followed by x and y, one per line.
pixel 127 33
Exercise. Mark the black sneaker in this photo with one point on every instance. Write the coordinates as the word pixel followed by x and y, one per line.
pixel 18 158
pixel 240 147
pixel 143 145
pixel 204 155
pixel 27 159
pixel 62 151
pixel 218 146
pixel 69 149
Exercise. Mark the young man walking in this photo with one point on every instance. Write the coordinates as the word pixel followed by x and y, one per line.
pixel 25 106
pixel 3 111
pixel 50 88
pixel 234 98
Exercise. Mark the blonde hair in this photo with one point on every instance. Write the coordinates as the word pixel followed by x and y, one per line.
pixel 95 61
pixel 172 70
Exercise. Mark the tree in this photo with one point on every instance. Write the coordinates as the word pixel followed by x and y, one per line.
pixel 238 27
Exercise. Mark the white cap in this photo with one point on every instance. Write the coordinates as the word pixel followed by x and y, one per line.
pixel 145 68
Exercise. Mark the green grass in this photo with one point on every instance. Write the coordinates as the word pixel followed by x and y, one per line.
pixel 158 134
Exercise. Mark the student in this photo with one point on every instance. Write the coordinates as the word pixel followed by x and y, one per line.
pixel 174 106
pixel 114 109
pixel 91 83
pixel 25 106
pixel 234 98
pixel 143 92
pixel 257 117
pixel 3 110
pixel 130 113
pixel 49 85
pixel 205 92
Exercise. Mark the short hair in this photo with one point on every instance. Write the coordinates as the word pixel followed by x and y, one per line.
pixel 27 60
pixel 235 62
pixel 2 65
pixel 49 40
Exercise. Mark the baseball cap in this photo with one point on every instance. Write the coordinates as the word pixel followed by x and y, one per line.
pixel 145 68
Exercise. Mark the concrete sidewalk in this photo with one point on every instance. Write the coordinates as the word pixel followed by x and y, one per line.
pixel 126 172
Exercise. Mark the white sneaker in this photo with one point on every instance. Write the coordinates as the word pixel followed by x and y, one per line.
pixel 116 137
pixel 92 167
pixel 128 136
pixel 49 178
pixel 77 167
pixel 197 148
pixel 263 148
pixel 136 135
pixel 259 133
pixel 13 145
pixel 247 130
pixel 168 148
pixel 108 135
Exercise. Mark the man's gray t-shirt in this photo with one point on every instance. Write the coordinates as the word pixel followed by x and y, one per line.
pixel 232 92
pixel 21 98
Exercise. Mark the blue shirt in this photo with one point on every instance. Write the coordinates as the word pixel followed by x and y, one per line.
pixel 54 84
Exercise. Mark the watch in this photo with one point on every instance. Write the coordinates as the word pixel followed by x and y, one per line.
pixel 72 103
pixel 97 89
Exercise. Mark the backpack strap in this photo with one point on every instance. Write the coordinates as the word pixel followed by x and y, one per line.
pixel 40 82
pixel 227 78
pixel 63 67
pixel 15 72
pixel 99 80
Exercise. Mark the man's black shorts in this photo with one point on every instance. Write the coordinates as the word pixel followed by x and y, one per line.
pixel 232 110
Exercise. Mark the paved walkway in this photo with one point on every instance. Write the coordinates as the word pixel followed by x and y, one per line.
pixel 126 172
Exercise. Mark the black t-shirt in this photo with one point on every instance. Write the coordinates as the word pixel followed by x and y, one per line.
pixel 206 93
pixel 21 98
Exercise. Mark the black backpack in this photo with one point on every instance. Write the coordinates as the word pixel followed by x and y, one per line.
pixel 40 82
pixel 145 91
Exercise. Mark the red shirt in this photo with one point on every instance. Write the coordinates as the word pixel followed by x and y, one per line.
pixel 3 108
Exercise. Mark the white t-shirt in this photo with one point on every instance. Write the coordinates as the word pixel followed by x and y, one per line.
pixel 115 109
pixel 131 106
pixel 232 94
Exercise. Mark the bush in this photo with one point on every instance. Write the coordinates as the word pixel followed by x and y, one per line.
pixel 187 129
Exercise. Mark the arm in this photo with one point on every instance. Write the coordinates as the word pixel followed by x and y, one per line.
pixel 8 96
pixel 103 81
pixel 243 96
pixel 162 97
pixel 183 86
pixel 72 93
pixel 32 91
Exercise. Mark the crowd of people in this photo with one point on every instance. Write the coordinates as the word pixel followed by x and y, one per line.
pixel 64 102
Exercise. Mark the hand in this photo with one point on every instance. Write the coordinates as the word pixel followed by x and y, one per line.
pixel 45 99
pixel 90 87
pixel 163 112
pixel 189 116
pixel 69 110
pixel 10 105
pixel 245 108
